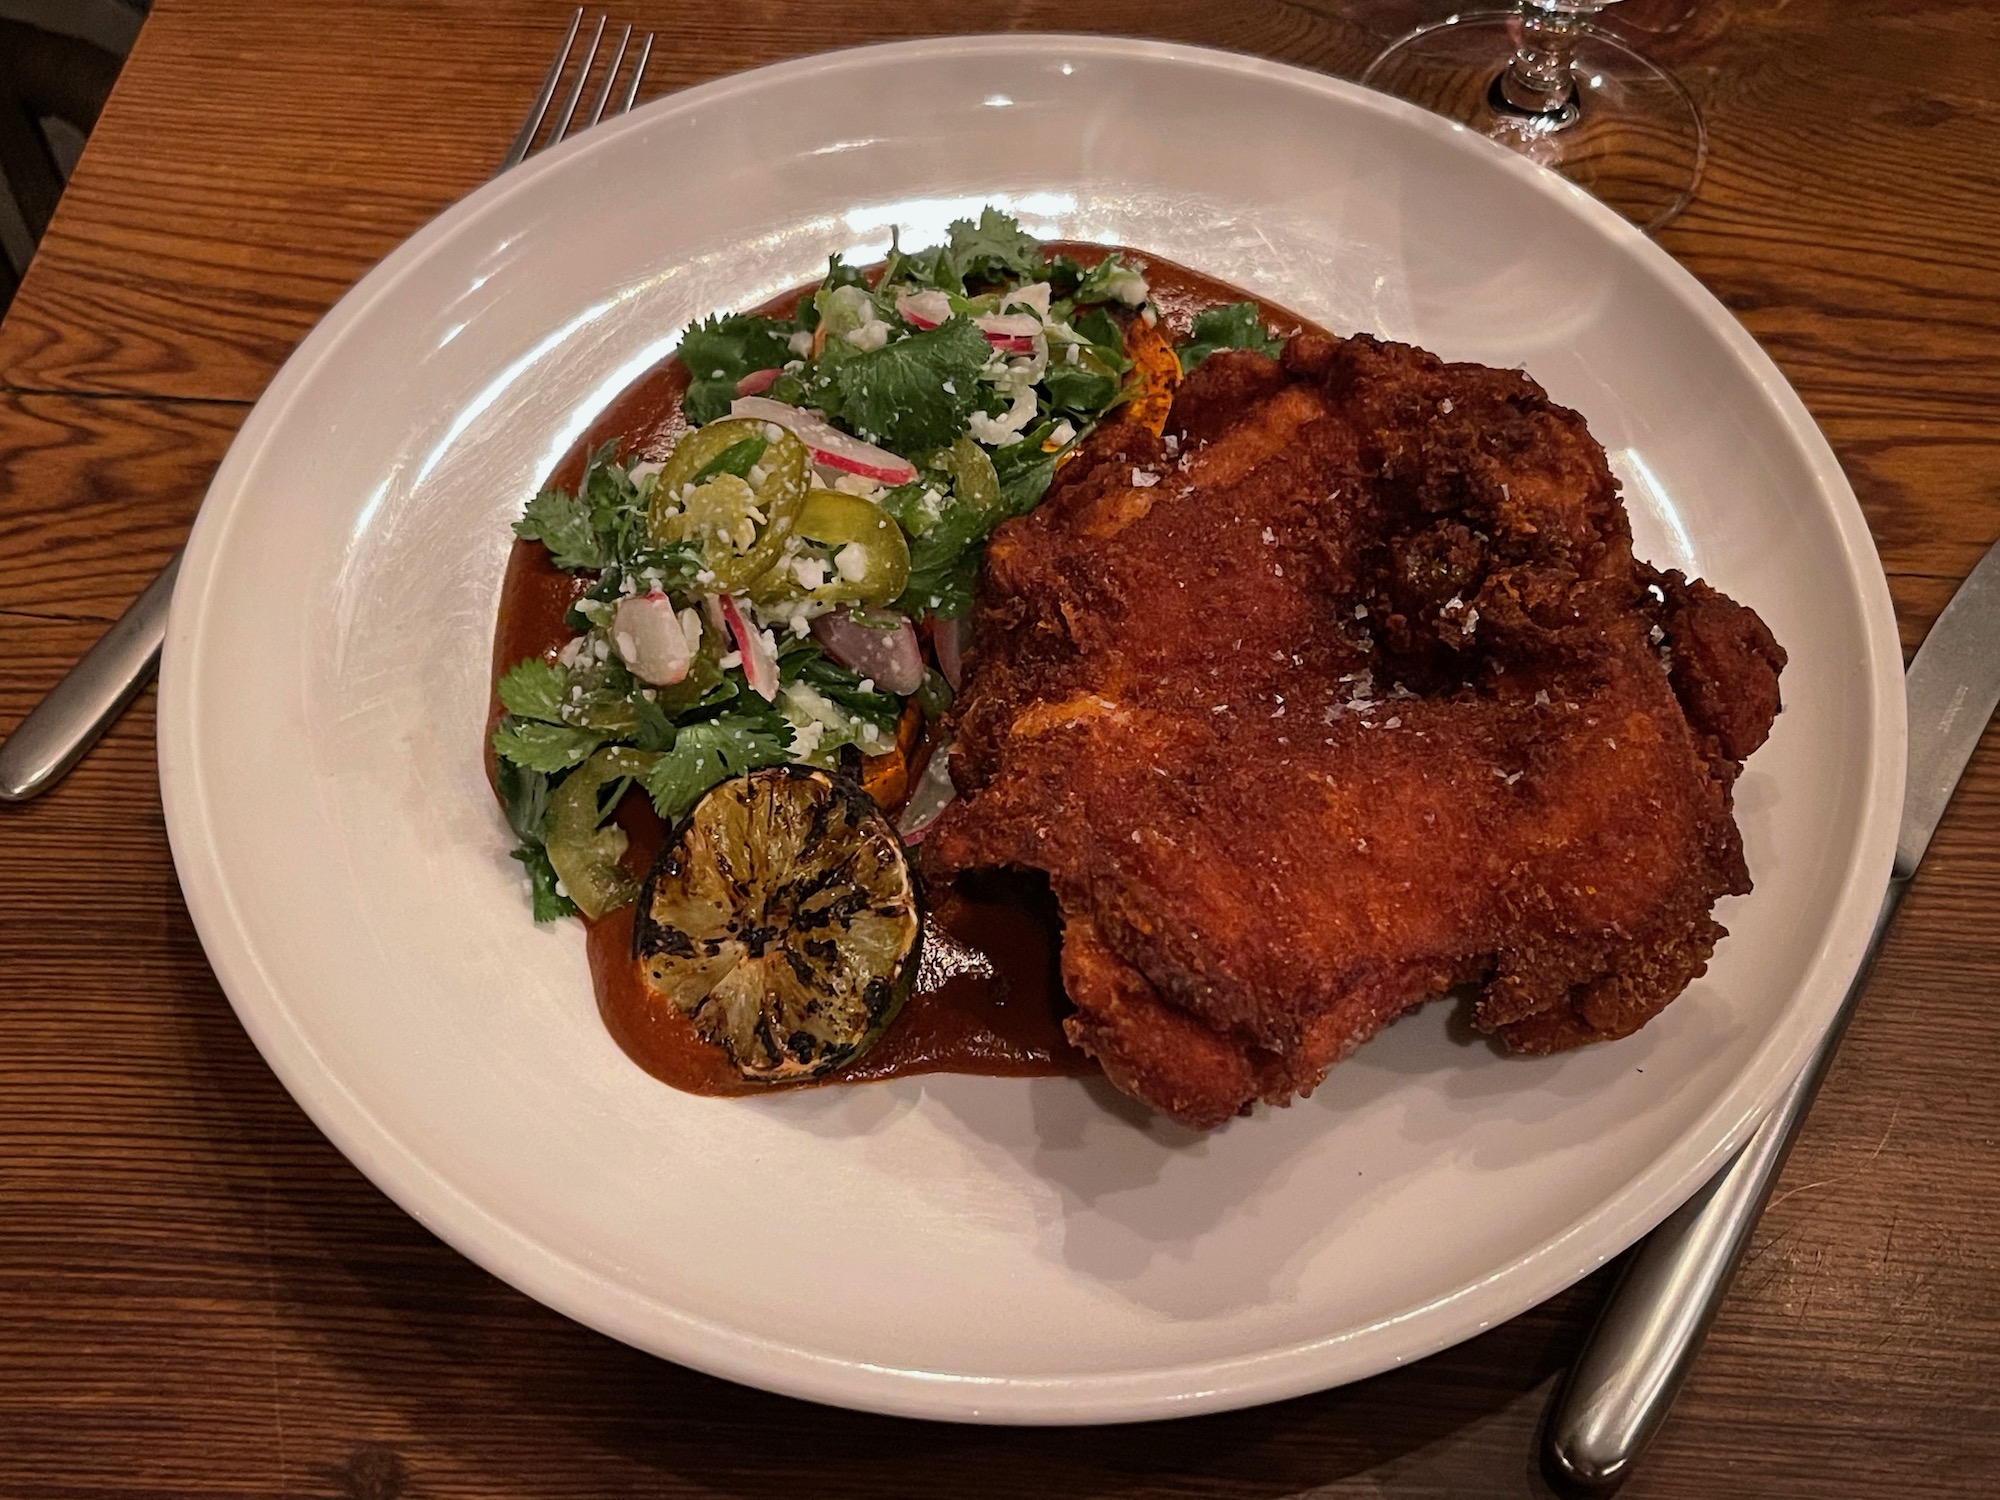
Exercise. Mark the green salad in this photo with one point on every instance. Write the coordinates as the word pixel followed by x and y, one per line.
pixel 789 585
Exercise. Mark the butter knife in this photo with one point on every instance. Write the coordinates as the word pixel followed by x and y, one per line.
pixel 57 731
pixel 1626 1377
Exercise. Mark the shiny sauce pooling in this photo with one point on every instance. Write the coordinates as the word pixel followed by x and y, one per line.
pixel 988 998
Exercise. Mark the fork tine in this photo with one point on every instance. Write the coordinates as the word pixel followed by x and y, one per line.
pixel 518 152
pixel 561 131
pixel 638 72
pixel 611 76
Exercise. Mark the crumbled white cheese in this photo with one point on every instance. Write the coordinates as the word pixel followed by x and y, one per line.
pixel 851 562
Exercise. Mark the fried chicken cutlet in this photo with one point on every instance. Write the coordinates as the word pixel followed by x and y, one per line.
pixel 1347 692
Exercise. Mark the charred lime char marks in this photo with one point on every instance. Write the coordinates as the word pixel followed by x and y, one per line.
pixel 782 920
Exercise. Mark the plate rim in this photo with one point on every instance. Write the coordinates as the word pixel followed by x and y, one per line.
pixel 582 1294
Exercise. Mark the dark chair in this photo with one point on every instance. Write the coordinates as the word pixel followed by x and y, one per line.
pixel 57 65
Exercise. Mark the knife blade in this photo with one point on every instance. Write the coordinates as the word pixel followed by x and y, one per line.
pixel 1625 1378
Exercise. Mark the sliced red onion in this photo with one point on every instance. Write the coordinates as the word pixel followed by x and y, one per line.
pixel 760 660
pixel 885 650
pixel 652 638
pixel 948 640
pixel 758 380
pixel 923 309
pixel 830 446
pixel 932 794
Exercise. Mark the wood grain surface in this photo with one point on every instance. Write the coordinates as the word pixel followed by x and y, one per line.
pixel 199 1296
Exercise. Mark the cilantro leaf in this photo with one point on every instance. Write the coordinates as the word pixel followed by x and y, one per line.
pixel 533 689
pixel 550 904
pixel 944 584
pixel 838 273
pixel 814 667
pixel 896 395
pixel 655 730
pixel 1111 280
pixel 1236 326
pixel 710 752
pixel 1064 276
pixel 561 522
pixel 1087 387
pixel 994 248
pixel 524 795
pixel 543 747
pixel 1024 470
pixel 719 351
pixel 944 556
pixel 930 268
pixel 617 512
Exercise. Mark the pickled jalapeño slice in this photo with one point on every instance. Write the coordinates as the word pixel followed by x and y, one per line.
pixel 783 921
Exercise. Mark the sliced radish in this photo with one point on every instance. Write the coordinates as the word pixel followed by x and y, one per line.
pixel 932 794
pixel 758 380
pixel 830 447
pixel 760 657
pixel 884 649
pixel 652 638
pixel 1013 333
pixel 948 639
pixel 923 309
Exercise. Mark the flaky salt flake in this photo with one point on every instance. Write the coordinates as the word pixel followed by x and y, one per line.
pixel 1143 479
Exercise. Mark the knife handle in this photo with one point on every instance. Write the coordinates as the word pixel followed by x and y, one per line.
pixel 1622 1384
pixel 78 709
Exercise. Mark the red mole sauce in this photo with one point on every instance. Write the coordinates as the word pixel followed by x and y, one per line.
pixel 988 998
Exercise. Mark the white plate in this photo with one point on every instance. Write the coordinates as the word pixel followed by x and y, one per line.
pixel 959 1247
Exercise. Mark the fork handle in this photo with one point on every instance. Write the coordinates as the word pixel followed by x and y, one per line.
pixel 1622 1384
pixel 57 731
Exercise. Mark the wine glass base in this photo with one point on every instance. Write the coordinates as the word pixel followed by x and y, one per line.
pixel 1628 134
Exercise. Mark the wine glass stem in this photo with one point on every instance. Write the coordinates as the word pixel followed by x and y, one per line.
pixel 1538 81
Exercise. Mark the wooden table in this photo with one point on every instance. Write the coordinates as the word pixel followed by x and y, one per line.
pixel 199 1295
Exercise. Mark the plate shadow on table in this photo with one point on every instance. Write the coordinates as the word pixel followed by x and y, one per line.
pixel 424 1374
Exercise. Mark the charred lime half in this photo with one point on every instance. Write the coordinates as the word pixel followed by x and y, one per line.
pixel 783 921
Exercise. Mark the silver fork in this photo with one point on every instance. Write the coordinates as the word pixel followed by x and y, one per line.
pixel 66 723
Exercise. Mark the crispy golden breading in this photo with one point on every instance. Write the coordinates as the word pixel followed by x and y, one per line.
pixel 1358 696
